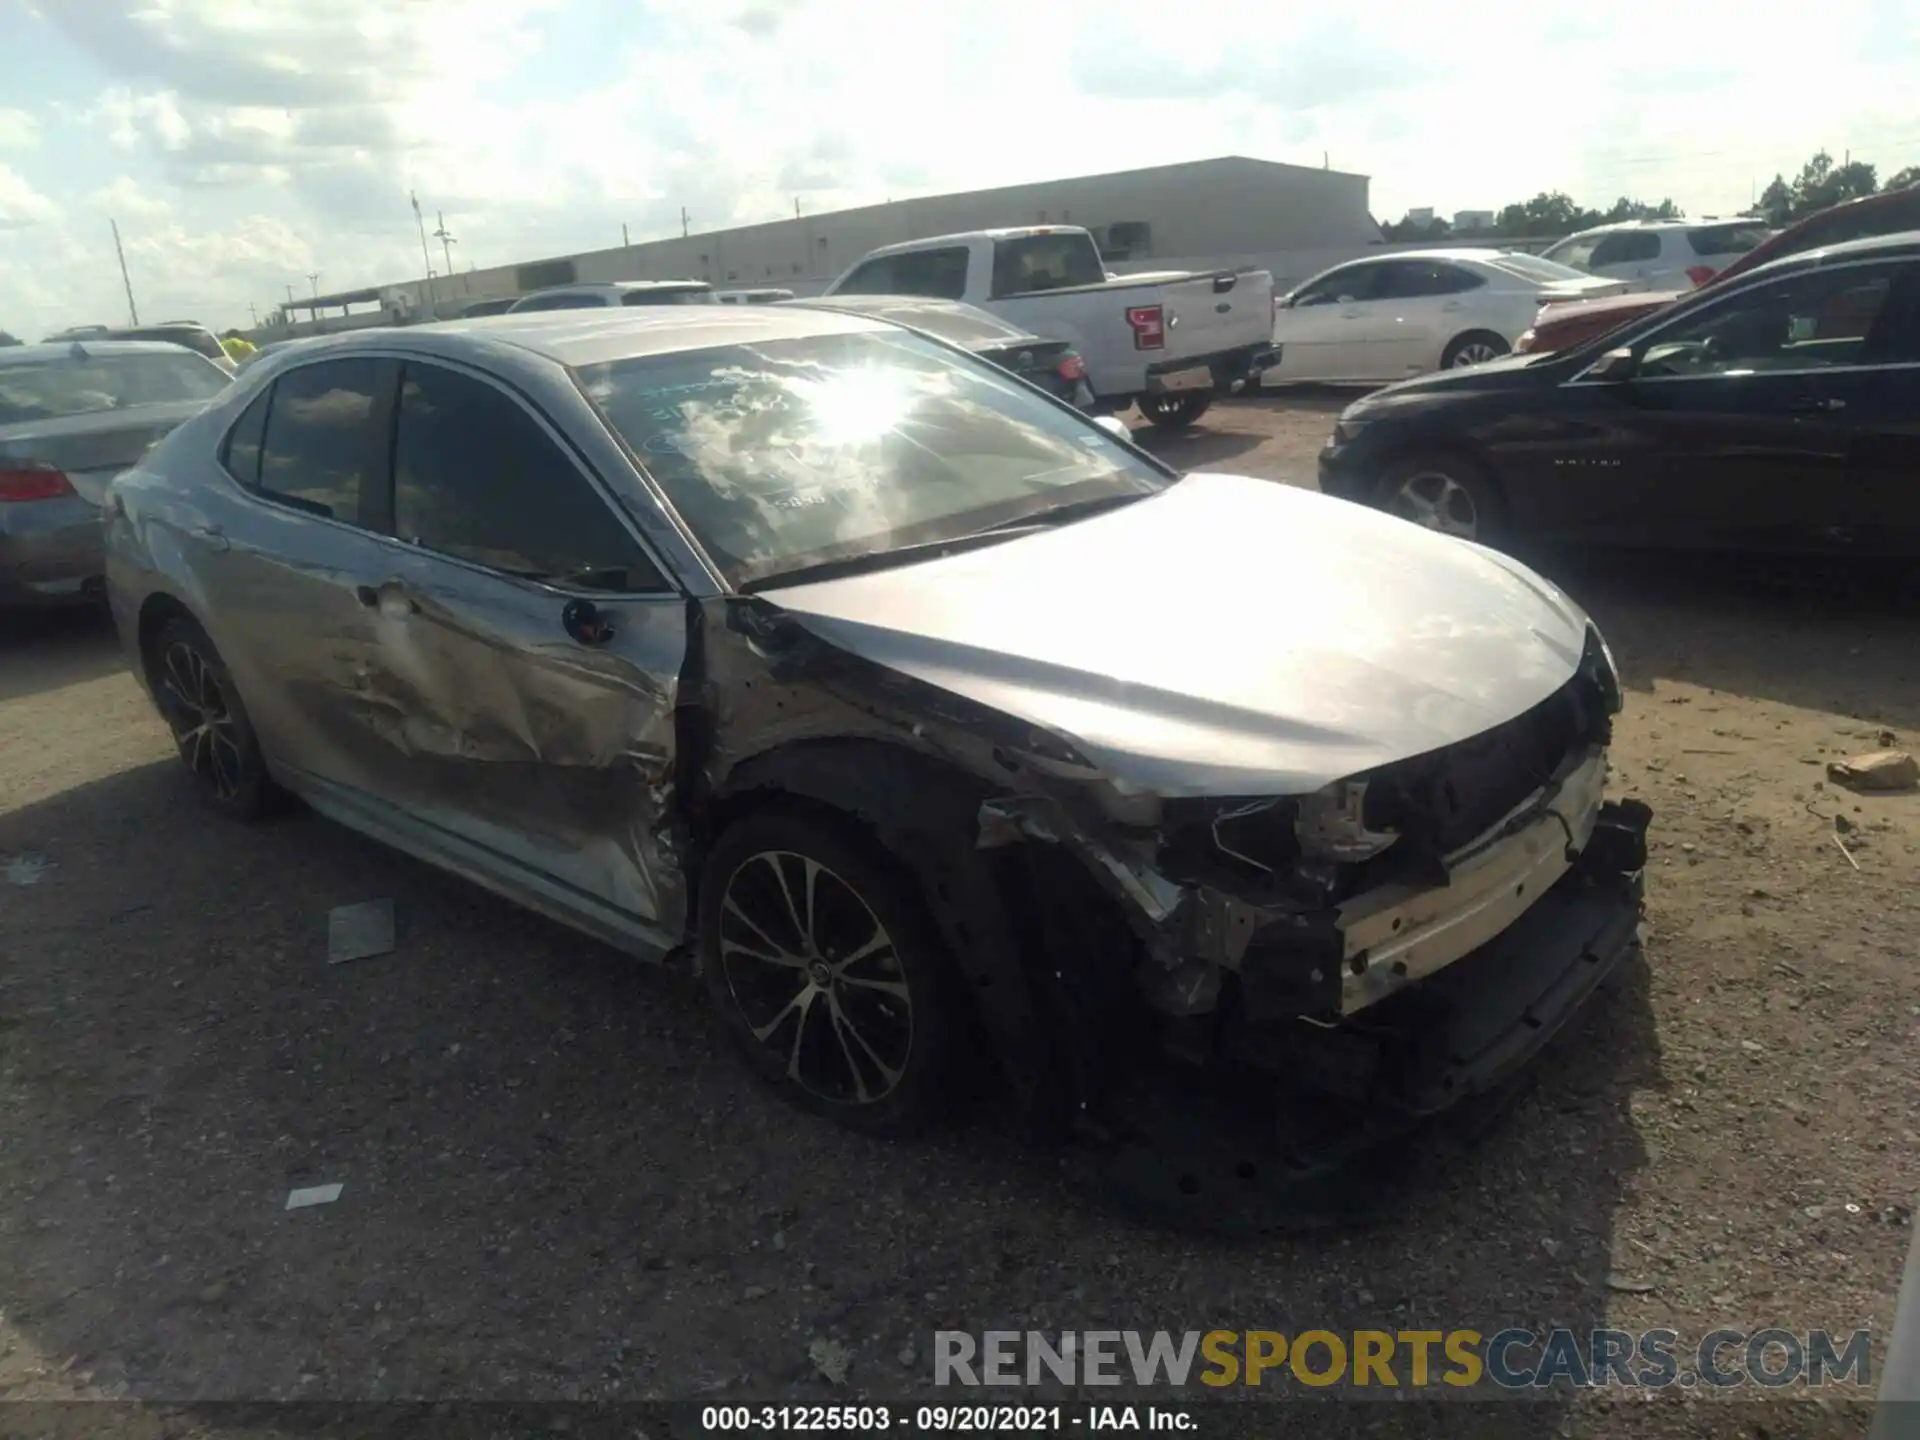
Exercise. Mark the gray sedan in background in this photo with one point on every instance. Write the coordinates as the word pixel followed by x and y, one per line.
pixel 72 416
pixel 930 717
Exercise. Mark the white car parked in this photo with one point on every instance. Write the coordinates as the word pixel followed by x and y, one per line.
pixel 1658 254
pixel 1391 316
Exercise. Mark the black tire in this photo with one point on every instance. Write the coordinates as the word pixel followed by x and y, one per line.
pixel 1481 345
pixel 1174 412
pixel 856 1058
pixel 1445 492
pixel 203 709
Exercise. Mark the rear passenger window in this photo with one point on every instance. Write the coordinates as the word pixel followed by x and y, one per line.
pixel 320 447
pixel 1411 279
pixel 241 453
pixel 475 477
pixel 1626 247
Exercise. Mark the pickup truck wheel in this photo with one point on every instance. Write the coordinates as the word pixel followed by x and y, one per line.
pixel 1444 492
pixel 1174 412
pixel 1476 347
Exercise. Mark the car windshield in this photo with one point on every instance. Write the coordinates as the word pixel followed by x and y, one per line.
pixel 1532 267
pixel 791 454
pixel 52 389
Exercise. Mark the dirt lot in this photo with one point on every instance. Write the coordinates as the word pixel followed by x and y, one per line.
pixel 558 1187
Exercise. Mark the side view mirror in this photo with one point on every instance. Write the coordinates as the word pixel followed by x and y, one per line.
pixel 1614 366
pixel 1115 427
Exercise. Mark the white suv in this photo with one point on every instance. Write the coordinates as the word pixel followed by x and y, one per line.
pixel 1659 254
pixel 618 292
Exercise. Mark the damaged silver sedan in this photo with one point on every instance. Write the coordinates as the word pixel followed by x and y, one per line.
pixel 932 718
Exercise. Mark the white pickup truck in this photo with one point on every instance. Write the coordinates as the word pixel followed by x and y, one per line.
pixel 1169 341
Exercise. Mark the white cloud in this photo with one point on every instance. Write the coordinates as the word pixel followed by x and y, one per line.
pixel 20 204
pixel 252 141
pixel 19 130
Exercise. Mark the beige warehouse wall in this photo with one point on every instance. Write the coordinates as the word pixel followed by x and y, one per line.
pixel 1221 207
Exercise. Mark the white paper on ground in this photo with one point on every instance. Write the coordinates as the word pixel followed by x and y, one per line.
pixel 313 1195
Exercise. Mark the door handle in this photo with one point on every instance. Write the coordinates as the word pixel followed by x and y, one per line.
pixel 1450 306
pixel 214 535
pixel 1817 402
pixel 390 599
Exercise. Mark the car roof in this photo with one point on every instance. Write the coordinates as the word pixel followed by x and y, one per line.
pixel 1436 252
pixel 601 286
pixel 593 337
pixel 1892 246
pixel 48 354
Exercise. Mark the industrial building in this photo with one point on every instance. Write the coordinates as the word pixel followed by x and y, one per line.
pixel 1292 219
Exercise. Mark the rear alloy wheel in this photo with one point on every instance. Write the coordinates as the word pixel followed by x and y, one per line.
pixel 1174 412
pixel 1476 347
pixel 822 968
pixel 1445 493
pixel 198 701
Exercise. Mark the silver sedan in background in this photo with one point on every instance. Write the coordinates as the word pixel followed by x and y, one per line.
pixel 72 416
pixel 915 705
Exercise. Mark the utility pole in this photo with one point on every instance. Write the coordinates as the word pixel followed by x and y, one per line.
pixel 289 302
pixel 313 279
pixel 796 207
pixel 426 256
pixel 445 237
pixel 132 309
pixel 623 236
pixel 683 222
pixel 254 311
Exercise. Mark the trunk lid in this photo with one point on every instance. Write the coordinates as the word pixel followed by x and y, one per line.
pixel 95 447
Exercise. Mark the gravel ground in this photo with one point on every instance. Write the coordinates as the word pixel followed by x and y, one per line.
pixel 557 1186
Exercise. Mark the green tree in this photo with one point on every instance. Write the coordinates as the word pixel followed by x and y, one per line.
pixel 1901 179
pixel 1548 213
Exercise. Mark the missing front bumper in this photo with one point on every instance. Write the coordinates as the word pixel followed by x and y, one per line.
pixel 1308 1124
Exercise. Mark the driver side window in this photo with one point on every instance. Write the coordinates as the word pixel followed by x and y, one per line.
pixel 475 477
pixel 1353 283
pixel 1813 320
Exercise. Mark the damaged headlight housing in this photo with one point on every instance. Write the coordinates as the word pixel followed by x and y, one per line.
pixel 1599 665
pixel 1331 824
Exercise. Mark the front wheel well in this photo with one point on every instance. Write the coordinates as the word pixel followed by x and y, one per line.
pixel 923 813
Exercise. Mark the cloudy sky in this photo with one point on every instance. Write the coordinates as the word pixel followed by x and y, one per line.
pixel 242 144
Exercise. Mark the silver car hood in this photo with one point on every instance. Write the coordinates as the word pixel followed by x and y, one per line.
pixel 1231 636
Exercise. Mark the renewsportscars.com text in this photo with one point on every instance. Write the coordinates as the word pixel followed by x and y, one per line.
pixel 1460 1359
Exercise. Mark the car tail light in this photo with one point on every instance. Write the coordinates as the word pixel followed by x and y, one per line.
pixel 1524 345
pixel 1149 327
pixel 1700 274
pixel 32 481
pixel 1073 368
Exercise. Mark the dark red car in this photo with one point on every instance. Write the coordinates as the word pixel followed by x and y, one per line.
pixel 1563 326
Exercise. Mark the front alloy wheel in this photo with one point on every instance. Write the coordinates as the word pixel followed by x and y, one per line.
pixel 820 965
pixel 1436 500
